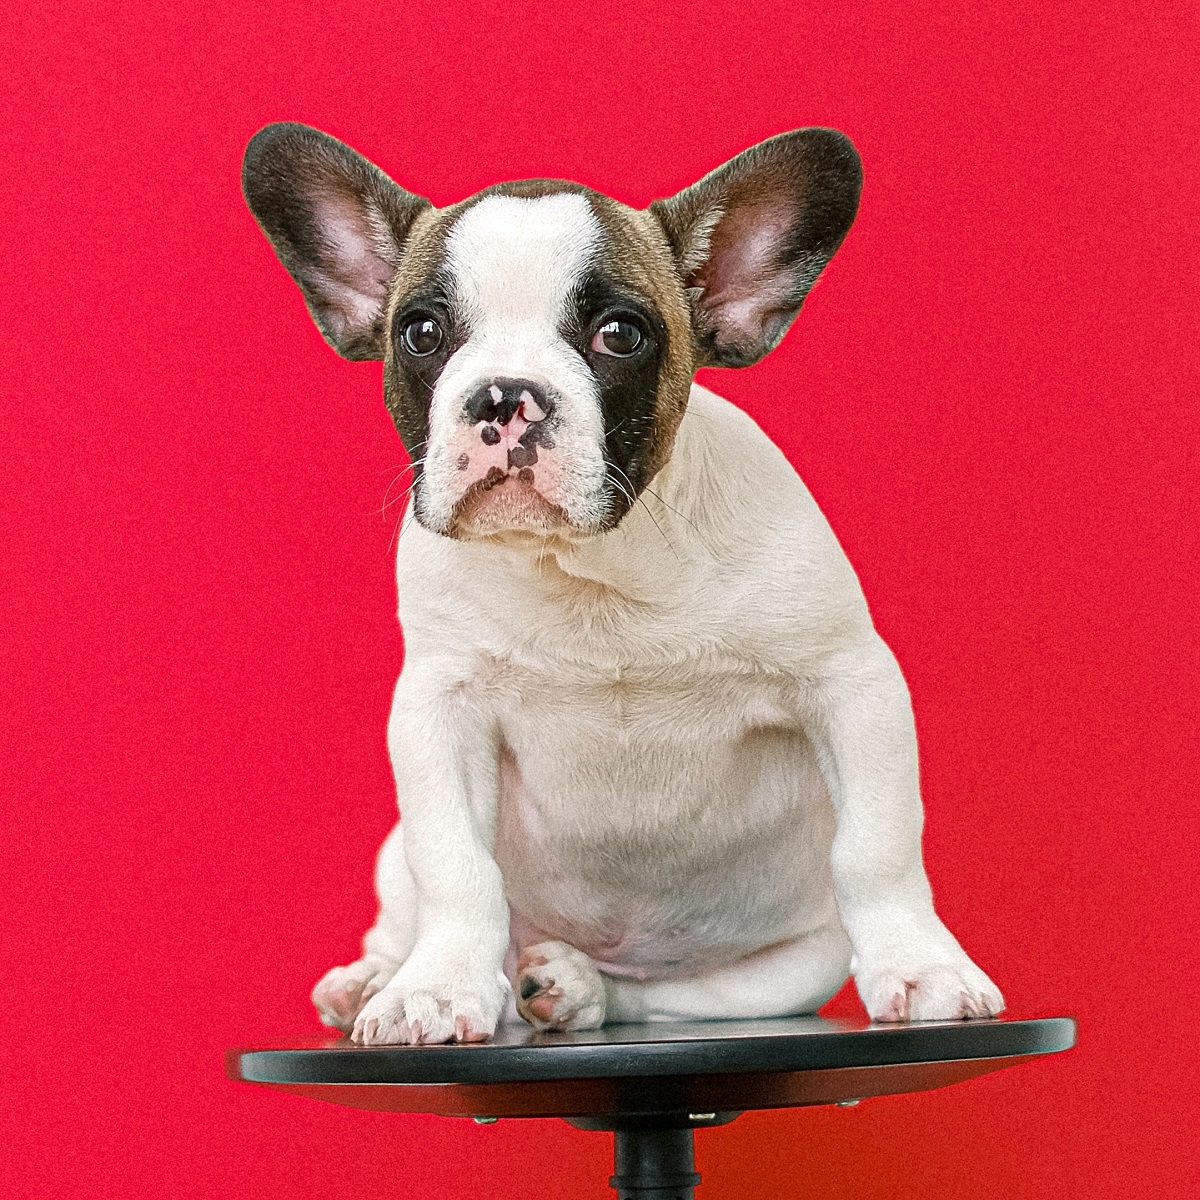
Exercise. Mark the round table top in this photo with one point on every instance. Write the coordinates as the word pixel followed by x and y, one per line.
pixel 687 1068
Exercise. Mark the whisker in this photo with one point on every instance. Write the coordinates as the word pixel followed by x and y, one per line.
pixel 399 518
pixel 399 500
pixel 621 487
pixel 672 508
pixel 626 492
pixel 619 425
pixel 388 503
pixel 660 529
pixel 636 499
pixel 394 538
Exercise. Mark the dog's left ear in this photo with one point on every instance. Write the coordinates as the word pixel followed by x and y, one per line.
pixel 752 236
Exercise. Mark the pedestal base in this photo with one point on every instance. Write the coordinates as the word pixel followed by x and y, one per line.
pixel 654 1158
pixel 654 1164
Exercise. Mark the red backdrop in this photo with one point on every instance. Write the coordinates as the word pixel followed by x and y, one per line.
pixel 992 394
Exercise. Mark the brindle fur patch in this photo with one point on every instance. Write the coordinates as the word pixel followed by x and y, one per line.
pixel 637 253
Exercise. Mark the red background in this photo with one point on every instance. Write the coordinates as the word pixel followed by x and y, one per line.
pixel 992 393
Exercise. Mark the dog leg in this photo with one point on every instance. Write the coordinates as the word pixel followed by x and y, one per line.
pixel 907 964
pixel 444 747
pixel 783 980
pixel 342 992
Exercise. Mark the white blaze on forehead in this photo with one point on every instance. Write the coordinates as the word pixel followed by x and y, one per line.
pixel 514 263
pixel 516 260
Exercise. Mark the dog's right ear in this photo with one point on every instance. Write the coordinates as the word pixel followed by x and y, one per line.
pixel 338 224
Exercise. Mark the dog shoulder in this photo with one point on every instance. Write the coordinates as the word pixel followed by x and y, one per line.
pixel 782 568
pixel 739 485
pixel 725 465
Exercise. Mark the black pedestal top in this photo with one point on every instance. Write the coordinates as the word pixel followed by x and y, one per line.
pixel 652 1070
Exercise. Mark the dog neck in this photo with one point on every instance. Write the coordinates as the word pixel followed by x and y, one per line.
pixel 658 544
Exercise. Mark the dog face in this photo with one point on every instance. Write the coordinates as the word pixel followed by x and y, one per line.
pixel 539 339
pixel 538 359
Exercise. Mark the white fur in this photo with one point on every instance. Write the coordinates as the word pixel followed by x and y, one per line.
pixel 571 986
pixel 514 263
pixel 679 748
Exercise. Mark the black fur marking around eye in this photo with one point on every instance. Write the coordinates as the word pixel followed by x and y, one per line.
pixel 409 380
pixel 628 386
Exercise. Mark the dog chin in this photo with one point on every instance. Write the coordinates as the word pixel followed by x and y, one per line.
pixel 509 509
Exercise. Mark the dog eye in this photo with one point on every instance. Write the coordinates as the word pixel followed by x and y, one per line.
pixel 618 337
pixel 421 337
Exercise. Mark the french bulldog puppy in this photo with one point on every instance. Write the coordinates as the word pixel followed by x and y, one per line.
pixel 653 760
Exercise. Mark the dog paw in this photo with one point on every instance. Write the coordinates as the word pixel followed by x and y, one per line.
pixel 559 988
pixel 929 992
pixel 424 1012
pixel 342 992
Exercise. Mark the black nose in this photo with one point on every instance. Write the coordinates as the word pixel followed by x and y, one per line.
pixel 499 400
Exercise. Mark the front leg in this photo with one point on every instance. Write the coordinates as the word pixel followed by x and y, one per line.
pixel 907 965
pixel 444 747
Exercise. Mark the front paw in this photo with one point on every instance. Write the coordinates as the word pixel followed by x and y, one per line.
pixel 342 992
pixel 917 989
pixel 453 1006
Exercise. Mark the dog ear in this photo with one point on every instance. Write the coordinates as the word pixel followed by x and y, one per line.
pixel 338 224
pixel 752 236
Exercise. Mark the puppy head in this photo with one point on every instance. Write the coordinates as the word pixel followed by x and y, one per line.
pixel 539 339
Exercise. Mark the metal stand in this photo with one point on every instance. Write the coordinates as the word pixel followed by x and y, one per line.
pixel 652 1085
pixel 654 1164
pixel 654 1156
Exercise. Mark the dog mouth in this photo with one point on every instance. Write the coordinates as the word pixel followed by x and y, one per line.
pixel 506 501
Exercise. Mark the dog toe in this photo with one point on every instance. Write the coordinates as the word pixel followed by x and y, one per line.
pixel 559 988
pixel 930 992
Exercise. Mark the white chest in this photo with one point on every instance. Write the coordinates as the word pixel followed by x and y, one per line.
pixel 639 807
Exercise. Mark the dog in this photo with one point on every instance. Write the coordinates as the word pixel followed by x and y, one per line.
pixel 653 760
